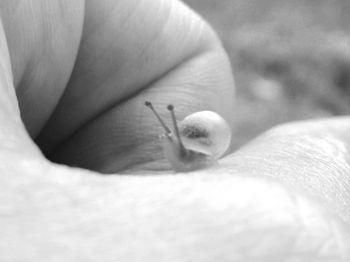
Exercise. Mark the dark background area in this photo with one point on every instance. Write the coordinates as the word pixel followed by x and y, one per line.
pixel 291 59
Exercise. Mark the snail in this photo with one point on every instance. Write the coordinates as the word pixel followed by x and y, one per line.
pixel 198 141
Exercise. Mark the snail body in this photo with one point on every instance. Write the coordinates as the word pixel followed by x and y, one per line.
pixel 197 141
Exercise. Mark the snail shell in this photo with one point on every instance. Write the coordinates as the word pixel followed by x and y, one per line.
pixel 206 132
pixel 198 141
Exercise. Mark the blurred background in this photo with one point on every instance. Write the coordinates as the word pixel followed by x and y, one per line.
pixel 291 59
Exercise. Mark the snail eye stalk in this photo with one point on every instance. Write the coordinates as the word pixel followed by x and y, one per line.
pixel 150 106
pixel 176 128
